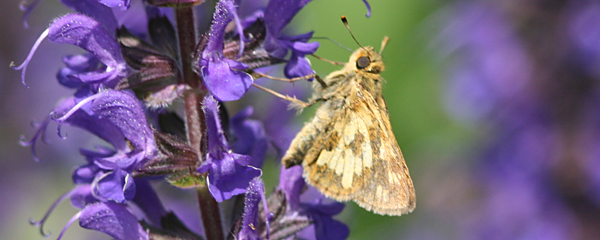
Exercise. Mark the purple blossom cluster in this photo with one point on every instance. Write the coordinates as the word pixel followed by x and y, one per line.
pixel 136 64
pixel 526 73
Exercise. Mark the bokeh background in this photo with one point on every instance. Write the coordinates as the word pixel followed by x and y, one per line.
pixel 495 104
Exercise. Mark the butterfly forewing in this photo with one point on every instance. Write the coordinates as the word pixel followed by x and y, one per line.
pixel 354 158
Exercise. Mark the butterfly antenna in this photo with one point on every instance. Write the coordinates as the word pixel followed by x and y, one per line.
pixel 345 21
pixel 336 43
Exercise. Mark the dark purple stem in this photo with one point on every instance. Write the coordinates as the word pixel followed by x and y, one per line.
pixel 194 117
pixel 211 217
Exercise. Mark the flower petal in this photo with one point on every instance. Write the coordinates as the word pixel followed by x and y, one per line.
pixel 279 13
pixel 229 173
pixel 250 137
pixel 227 177
pixel 123 4
pixel 113 219
pixel 292 184
pixel 224 81
pixel 298 66
pixel 85 32
pixel 117 186
pixel 101 13
pixel 125 112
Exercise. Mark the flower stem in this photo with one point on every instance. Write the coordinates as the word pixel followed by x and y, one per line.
pixel 210 208
pixel 194 117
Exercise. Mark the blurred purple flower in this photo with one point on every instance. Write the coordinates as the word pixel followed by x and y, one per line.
pixel 229 173
pixel 277 15
pixel 584 17
pixel 250 136
pixel 492 66
pixel 493 84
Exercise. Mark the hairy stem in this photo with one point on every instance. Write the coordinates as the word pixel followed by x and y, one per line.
pixel 194 117
pixel 210 208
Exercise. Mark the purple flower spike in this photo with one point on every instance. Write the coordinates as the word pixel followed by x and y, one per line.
pixel 223 77
pixel 85 32
pixel 113 219
pixel 277 15
pixel 229 173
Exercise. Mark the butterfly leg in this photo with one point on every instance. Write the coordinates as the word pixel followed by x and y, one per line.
pixel 258 74
pixel 293 100
pixel 315 76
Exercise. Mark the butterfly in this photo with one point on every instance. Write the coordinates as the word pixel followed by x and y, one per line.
pixel 348 150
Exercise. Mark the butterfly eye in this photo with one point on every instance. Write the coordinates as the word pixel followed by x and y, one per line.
pixel 363 62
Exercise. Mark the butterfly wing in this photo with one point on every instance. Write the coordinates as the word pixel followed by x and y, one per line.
pixel 356 157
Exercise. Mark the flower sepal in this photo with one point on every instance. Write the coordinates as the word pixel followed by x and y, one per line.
pixel 175 157
pixel 187 180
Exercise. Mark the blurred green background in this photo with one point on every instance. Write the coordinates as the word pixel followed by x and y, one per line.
pixel 429 140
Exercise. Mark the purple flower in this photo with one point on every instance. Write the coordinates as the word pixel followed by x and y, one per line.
pixel 321 212
pixel 117 118
pixel 318 209
pixel 229 173
pixel 99 12
pixel 584 16
pixel 250 136
pixel 110 218
pixel 368 8
pixel 494 68
pixel 278 14
pixel 113 219
pixel 85 32
pixel 292 184
pixel 123 4
pixel 223 77
pixel 533 142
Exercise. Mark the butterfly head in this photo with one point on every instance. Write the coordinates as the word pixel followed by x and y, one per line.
pixel 367 60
